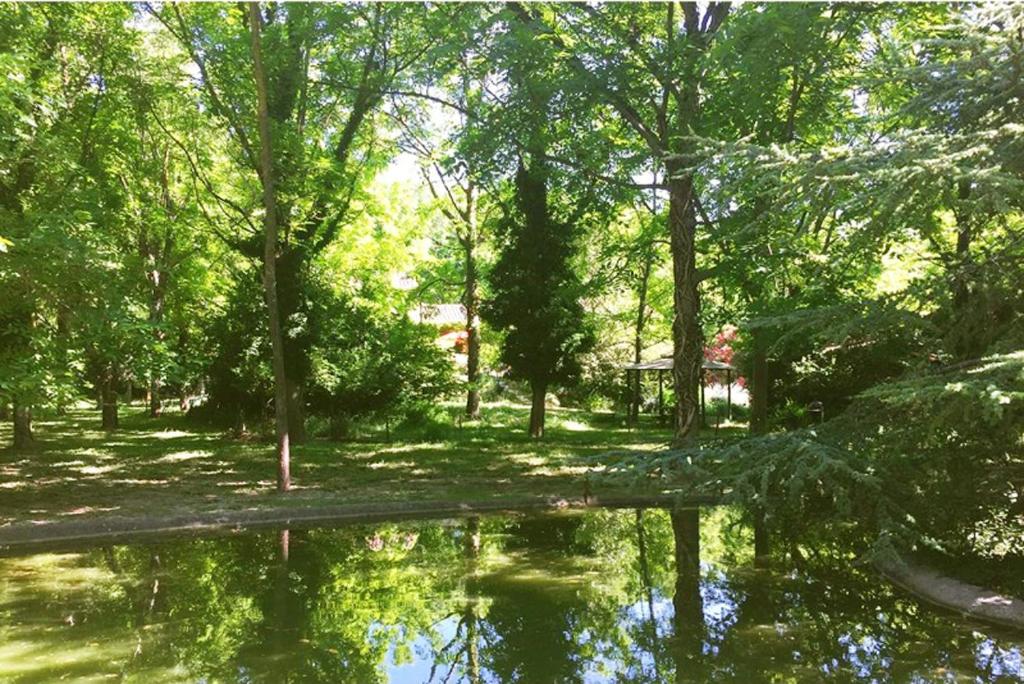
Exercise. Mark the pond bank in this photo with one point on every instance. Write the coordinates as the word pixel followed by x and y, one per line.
pixel 24 538
pixel 971 600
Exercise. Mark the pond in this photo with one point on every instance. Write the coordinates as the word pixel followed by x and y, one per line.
pixel 608 595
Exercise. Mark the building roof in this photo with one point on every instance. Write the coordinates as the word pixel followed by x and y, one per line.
pixel 665 363
pixel 439 314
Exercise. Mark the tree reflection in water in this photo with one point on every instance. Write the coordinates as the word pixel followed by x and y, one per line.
pixel 603 596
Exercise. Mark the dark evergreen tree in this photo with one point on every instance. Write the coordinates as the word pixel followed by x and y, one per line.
pixel 535 292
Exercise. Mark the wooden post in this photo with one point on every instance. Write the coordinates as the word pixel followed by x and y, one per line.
pixel 728 392
pixel 661 395
pixel 630 395
pixel 635 408
pixel 703 407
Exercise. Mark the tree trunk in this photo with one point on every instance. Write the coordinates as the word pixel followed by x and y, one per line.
pixel 638 335
pixel 688 618
pixel 473 367
pixel 156 319
pixel 63 347
pixel 687 338
pixel 296 411
pixel 759 426
pixel 961 279
pixel 109 411
pixel 762 544
pixel 472 332
pixel 539 390
pixel 157 298
pixel 645 580
pixel 759 382
pixel 469 615
pixel 270 255
pixel 155 405
pixel 965 339
pixel 23 438
pixel 289 272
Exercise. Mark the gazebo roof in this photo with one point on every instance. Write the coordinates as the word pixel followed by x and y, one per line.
pixel 665 363
pixel 439 314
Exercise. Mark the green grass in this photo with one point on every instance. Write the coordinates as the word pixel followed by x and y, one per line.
pixel 170 466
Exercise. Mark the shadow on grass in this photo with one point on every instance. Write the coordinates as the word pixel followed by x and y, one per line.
pixel 167 465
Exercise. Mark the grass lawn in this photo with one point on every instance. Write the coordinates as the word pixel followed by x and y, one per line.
pixel 170 466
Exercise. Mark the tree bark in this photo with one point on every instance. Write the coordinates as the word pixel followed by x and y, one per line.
pixel 965 339
pixel 296 411
pixel 759 426
pixel 23 438
pixel 291 267
pixel 157 256
pixel 758 382
pixel 964 235
pixel 270 255
pixel 157 298
pixel 109 418
pixel 638 335
pixel 687 336
pixel 472 304
pixel 539 391
pixel 153 395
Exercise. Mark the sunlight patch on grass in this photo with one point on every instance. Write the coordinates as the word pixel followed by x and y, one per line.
pixel 90 452
pixel 414 446
pixel 82 510
pixel 69 464
pixel 180 456
pixel 576 426
pixel 97 470
pixel 532 460
pixel 558 471
pixel 170 434
pixel 235 483
pixel 390 465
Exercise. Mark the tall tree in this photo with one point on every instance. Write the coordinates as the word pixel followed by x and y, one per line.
pixel 787 86
pixel 50 176
pixel 266 173
pixel 456 187
pixel 535 289
pixel 329 70
pixel 535 292
pixel 650 63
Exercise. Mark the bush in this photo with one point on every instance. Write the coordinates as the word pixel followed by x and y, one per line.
pixel 360 363
pixel 376 366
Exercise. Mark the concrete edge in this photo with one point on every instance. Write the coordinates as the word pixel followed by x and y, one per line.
pixel 970 600
pixel 24 538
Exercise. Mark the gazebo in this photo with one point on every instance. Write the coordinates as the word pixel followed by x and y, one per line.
pixel 660 366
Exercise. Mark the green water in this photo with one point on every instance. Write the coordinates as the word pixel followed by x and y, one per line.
pixel 603 596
